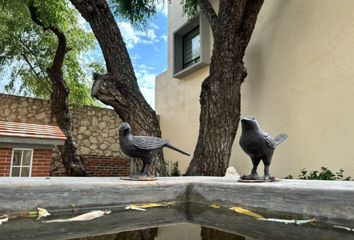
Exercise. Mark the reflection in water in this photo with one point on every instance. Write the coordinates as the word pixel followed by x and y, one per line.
pixel 171 223
pixel 175 232
pixel 145 234
pixel 213 234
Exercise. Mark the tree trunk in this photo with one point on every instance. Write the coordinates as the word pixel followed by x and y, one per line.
pixel 119 88
pixel 59 101
pixel 220 97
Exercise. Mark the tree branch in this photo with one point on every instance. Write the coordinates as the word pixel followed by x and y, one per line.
pixel 209 12
pixel 42 71
pixel 231 13
pixel 36 73
pixel 61 49
pixel 249 20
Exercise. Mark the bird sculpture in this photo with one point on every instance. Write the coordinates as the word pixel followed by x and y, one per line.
pixel 142 146
pixel 259 145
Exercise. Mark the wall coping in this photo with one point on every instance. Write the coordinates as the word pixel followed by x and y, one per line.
pixel 326 200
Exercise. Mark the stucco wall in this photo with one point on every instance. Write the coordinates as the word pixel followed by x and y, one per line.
pixel 300 81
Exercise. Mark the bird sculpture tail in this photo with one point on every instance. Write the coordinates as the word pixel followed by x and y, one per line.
pixel 280 138
pixel 176 149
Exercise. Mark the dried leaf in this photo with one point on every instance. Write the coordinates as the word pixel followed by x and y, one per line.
pixel 214 206
pixel 143 206
pixel 289 221
pixel 39 213
pixel 246 212
pixel 4 218
pixel 345 228
pixel 42 212
pixel 83 217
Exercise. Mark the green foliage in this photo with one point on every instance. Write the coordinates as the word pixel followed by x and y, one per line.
pixel 323 174
pixel 175 170
pixel 29 51
pixel 190 7
pixel 136 11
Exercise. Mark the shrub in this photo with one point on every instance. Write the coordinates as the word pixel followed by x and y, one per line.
pixel 323 174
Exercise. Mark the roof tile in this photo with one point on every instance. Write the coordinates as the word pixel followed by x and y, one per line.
pixel 28 130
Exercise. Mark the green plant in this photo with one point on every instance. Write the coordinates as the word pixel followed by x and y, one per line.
pixel 175 170
pixel 323 174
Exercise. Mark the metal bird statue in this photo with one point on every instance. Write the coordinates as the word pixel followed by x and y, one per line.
pixel 142 146
pixel 259 145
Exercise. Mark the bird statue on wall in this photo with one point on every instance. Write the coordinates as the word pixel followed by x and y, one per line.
pixel 259 145
pixel 142 146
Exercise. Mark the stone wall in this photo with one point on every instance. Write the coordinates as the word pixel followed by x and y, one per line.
pixel 95 130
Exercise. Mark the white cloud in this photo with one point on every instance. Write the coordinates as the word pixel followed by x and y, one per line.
pixel 146 81
pixel 164 37
pixel 132 36
pixel 163 7
pixel 153 25
pixel 149 94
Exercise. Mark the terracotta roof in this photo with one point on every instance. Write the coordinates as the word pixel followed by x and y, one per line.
pixel 27 130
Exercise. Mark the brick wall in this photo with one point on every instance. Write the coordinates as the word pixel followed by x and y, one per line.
pixel 100 166
pixel 41 162
pixel 5 161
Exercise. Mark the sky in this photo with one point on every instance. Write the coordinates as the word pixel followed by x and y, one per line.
pixel 147 49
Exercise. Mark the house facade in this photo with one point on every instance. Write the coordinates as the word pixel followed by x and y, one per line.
pixel 300 81
pixel 26 149
pixel 95 133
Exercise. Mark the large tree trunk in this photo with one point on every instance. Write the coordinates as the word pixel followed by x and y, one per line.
pixel 119 88
pixel 59 101
pixel 220 98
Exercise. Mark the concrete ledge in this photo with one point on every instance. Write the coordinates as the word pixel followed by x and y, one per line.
pixel 330 201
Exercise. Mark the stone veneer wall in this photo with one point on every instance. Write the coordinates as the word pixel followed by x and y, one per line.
pixel 95 132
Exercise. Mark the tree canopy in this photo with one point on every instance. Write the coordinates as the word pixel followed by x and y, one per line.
pixel 29 50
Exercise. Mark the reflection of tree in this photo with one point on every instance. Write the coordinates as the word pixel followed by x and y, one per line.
pixel 213 234
pixel 146 234
pixel 196 46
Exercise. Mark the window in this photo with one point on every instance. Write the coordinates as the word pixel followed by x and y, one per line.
pixel 21 162
pixel 191 48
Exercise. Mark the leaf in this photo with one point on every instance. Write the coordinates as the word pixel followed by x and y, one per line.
pixel 143 206
pixel 289 221
pixel 214 206
pixel 246 212
pixel 4 218
pixel 42 212
pixel 343 227
pixel 83 217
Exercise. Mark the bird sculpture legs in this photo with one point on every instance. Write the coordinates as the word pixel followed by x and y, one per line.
pixel 266 161
pixel 267 174
pixel 144 169
pixel 254 174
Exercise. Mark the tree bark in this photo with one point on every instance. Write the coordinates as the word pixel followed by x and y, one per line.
pixel 220 97
pixel 119 87
pixel 59 100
